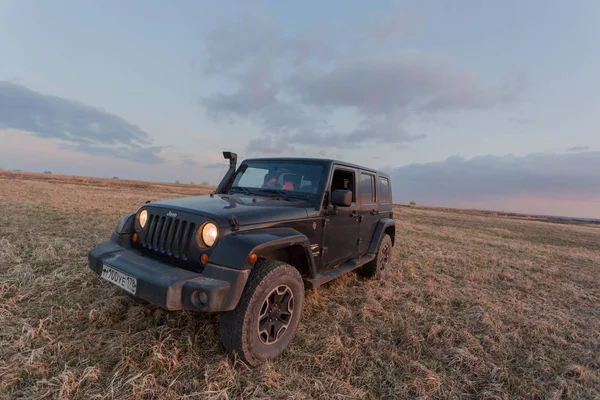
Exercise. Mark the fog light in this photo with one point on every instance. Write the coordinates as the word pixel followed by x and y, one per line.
pixel 199 299
pixel 134 238
pixel 203 297
pixel 204 259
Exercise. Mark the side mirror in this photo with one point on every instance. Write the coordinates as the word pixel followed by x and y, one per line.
pixel 341 198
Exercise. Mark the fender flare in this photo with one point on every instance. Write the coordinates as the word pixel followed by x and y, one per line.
pixel 125 228
pixel 382 226
pixel 233 249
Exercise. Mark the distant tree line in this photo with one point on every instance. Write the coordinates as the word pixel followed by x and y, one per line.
pixel 205 183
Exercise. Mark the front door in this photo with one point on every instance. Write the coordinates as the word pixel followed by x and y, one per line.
pixel 340 231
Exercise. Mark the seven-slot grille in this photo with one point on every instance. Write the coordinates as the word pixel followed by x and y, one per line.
pixel 169 236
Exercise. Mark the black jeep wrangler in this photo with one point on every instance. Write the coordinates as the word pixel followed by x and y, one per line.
pixel 273 228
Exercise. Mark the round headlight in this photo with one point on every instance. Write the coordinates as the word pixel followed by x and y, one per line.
pixel 143 218
pixel 207 235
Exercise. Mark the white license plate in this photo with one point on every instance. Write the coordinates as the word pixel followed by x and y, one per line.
pixel 124 281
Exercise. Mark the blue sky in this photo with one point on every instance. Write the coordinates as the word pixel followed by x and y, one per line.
pixel 385 84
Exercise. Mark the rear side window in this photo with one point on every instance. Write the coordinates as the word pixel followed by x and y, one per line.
pixel 367 188
pixel 384 190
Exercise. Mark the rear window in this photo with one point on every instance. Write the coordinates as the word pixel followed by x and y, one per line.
pixel 384 190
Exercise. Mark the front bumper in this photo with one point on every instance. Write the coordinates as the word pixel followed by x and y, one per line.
pixel 170 287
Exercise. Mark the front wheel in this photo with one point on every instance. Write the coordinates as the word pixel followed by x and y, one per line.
pixel 378 268
pixel 265 320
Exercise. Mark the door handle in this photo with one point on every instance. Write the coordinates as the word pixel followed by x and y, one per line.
pixel 354 214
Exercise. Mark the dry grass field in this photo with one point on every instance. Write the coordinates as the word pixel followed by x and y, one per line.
pixel 478 306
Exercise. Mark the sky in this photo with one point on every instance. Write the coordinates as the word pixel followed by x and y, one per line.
pixel 476 104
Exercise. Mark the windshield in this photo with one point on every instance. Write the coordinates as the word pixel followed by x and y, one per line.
pixel 278 177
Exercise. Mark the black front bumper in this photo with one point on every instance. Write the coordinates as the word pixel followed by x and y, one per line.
pixel 170 287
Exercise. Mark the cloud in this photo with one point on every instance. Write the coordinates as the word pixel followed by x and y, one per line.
pixel 375 129
pixel 83 128
pixel 269 146
pixel 188 161
pixel 482 178
pixel 15 79
pixel 409 81
pixel 289 85
pixel 28 152
pixel 392 26
pixel 522 121
pixel 214 165
pixel 146 155
pixel 253 41
pixel 578 148
pixel 252 96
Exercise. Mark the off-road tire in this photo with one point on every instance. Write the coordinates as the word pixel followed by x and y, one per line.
pixel 239 329
pixel 377 268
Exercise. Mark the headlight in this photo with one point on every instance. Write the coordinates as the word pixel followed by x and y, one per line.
pixel 143 218
pixel 207 235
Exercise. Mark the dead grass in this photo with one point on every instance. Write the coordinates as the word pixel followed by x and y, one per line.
pixel 478 306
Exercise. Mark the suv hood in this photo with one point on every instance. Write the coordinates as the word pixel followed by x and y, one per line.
pixel 247 209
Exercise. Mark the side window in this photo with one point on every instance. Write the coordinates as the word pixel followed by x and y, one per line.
pixel 344 180
pixel 384 190
pixel 367 188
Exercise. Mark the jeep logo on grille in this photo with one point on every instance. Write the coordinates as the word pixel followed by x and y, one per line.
pixel 171 214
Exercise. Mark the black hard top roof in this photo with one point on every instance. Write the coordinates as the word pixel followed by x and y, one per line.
pixel 326 161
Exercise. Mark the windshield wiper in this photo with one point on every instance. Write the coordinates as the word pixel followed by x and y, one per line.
pixel 280 192
pixel 243 189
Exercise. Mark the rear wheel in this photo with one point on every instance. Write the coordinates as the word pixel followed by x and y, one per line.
pixel 269 311
pixel 377 268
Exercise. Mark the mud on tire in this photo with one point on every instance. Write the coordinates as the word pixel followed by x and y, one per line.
pixel 378 268
pixel 268 313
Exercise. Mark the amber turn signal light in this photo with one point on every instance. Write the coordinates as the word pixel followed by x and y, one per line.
pixel 252 258
pixel 204 259
pixel 134 238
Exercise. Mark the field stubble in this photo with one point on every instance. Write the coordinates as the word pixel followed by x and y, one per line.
pixel 476 306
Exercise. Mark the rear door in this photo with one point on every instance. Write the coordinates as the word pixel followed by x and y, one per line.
pixel 369 211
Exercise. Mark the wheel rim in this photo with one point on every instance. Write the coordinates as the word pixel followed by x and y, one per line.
pixel 275 314
pixel 385 256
